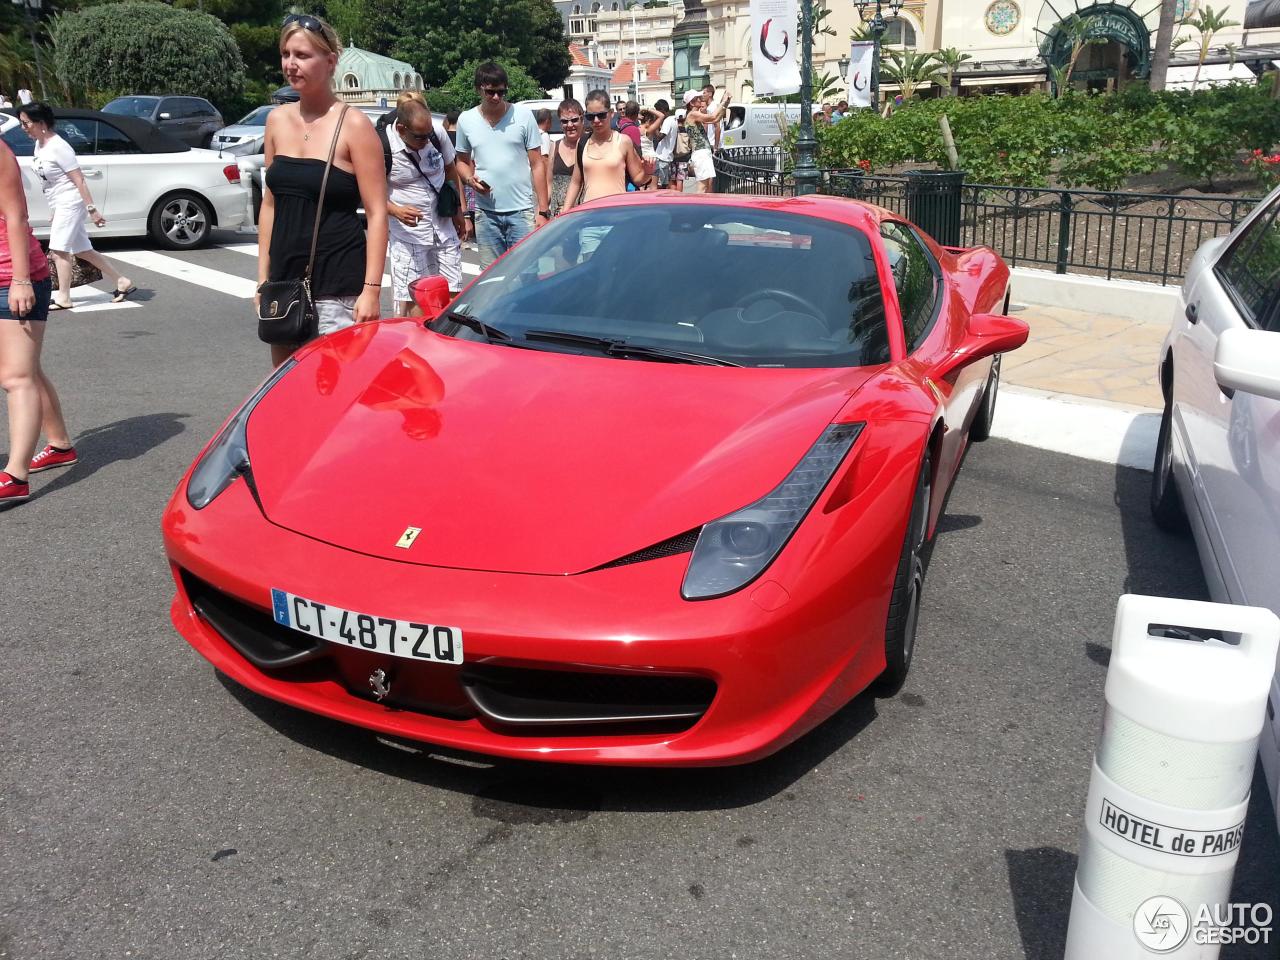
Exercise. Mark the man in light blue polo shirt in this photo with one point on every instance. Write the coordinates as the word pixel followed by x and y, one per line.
pixel 500 157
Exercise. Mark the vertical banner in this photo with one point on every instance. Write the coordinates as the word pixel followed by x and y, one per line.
pixel 775 69
pixel 862 57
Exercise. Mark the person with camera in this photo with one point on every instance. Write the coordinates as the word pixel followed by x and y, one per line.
pixel 662 128
pixel 425 215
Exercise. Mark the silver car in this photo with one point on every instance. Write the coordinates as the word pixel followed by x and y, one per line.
pixel 1217 466
pixel 244 138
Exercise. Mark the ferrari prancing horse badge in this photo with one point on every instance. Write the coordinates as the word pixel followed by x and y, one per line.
pixel 406 539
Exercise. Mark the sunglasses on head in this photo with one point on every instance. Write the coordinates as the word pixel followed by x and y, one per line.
pixel 494 91
pixel 305 21
pixel 594 116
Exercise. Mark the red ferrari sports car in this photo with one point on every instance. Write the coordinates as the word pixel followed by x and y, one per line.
pixel 652 490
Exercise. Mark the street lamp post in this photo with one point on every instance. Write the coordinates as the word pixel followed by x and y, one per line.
pixel 27 6
pixel 806 172
pixel 878 27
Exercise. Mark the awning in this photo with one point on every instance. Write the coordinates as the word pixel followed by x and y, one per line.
pixel 1000 80
pixel 1181 77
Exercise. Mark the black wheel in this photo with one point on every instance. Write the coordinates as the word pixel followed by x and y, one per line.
pixel 181 221
pixel 908 588
pixel 1166 503
pixel 986 415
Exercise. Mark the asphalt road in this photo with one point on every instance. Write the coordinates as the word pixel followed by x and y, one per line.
pixel 151 809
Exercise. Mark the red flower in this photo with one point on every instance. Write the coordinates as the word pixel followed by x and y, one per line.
pixel 865 165
pixel 1257 153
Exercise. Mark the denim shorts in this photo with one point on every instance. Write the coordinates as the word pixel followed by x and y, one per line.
pixel 43 291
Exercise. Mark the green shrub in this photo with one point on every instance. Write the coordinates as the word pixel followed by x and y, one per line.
pixel 1078 140
pixel 148 48
pixel 459 92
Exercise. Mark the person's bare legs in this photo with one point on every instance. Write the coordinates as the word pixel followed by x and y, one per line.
pixel 707 186
pixel 108 271
pixel 66 263
pixel 51 421
pixel 20 376
pixel 281 352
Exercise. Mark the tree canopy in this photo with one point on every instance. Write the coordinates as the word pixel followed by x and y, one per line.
pixel 148 48
pixel 459 91
pixel 439 36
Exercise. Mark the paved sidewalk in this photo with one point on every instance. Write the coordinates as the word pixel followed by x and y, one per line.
pixel 1088 355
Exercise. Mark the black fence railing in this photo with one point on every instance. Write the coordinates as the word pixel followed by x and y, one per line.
pixel 1143 236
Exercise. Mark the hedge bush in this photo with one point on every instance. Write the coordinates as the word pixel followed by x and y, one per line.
pixel 1077 140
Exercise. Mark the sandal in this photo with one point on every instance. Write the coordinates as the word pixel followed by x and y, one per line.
pixel 122 295
pixel 55 305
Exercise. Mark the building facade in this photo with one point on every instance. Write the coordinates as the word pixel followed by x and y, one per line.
pixel 1014 44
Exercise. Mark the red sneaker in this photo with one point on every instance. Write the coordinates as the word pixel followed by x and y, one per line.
pixel 13 490
pixel 51 457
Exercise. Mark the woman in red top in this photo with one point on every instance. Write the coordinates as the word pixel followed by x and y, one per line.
pixel 24 307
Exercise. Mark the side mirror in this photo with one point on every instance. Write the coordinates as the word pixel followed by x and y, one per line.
pixel 166 116
pixel 1248 360
pixel 988 334
pixel 431 294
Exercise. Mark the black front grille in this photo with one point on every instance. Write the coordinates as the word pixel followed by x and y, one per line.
pixel 680 543
pixel 253 632
pixel 537 697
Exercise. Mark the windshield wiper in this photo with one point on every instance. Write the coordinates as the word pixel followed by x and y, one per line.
pixel 491 334
pixel 618 347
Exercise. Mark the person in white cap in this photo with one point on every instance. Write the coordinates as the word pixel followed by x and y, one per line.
pixel 698 113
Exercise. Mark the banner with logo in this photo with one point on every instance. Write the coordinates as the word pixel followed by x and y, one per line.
pixel 775 68
pixel 862 58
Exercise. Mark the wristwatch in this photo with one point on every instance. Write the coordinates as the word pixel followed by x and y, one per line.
pixel 91 208
pixel 545 213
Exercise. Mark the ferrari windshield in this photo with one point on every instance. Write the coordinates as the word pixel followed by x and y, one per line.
pixel 735 284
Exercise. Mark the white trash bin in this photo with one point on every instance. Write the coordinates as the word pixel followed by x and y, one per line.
pixel 1186 697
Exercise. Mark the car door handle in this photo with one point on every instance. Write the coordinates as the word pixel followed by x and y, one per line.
pixel 92 174
pixel 1193 312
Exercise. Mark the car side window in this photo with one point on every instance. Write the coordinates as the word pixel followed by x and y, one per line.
pixel 113 141
pixel 915 276
pixel 18 141
pixel 79 133
pixel 202 108
pixel 172 106
pixel 1250 270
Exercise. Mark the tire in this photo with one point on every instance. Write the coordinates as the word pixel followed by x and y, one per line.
pixel 908 587
pixel 1166 503
pixel 181 221
pixel 980 429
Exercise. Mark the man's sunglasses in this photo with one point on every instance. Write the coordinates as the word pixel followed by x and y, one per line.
pixel 305 21
pixel 407 134
pixel 494 91
pixel 564 120
pixel 593 117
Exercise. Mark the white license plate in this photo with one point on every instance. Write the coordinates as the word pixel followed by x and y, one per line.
pixel 398 638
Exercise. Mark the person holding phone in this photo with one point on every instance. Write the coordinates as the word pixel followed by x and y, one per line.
pixel 500 157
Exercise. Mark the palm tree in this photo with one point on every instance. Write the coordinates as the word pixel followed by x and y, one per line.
pixel 1076 28
pixel 1207 22
pixel 1164 39
pixel 950 58
pixel 910 70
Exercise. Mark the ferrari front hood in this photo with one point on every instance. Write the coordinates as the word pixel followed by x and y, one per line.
pixel 520 461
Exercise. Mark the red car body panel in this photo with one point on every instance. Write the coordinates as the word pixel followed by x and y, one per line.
pixel 527 471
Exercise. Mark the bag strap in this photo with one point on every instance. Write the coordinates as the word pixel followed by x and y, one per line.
pixel 324 183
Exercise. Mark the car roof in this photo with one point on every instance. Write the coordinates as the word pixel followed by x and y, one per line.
pixel 144 133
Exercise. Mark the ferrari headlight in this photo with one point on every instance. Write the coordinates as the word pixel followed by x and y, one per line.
pixel 734 550
pixel 228 455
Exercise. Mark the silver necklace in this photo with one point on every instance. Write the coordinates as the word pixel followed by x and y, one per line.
pixel 306 127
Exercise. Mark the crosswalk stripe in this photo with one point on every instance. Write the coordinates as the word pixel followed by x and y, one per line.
pixel 91 299
pixel 468 269
pixel 192 273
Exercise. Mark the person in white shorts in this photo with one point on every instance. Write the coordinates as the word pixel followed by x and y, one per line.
pixel 70 204
pixel 697 115
pixel 423 243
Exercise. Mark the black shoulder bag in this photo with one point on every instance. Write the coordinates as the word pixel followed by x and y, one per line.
pixel 286 310
pixel 447 202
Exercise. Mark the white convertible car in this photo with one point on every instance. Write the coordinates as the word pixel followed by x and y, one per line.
pixel 1217 465
pixel 144 181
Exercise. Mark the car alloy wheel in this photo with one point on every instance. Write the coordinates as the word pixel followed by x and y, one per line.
pixel 1166 504
pixel 908 588
pixel 181 222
